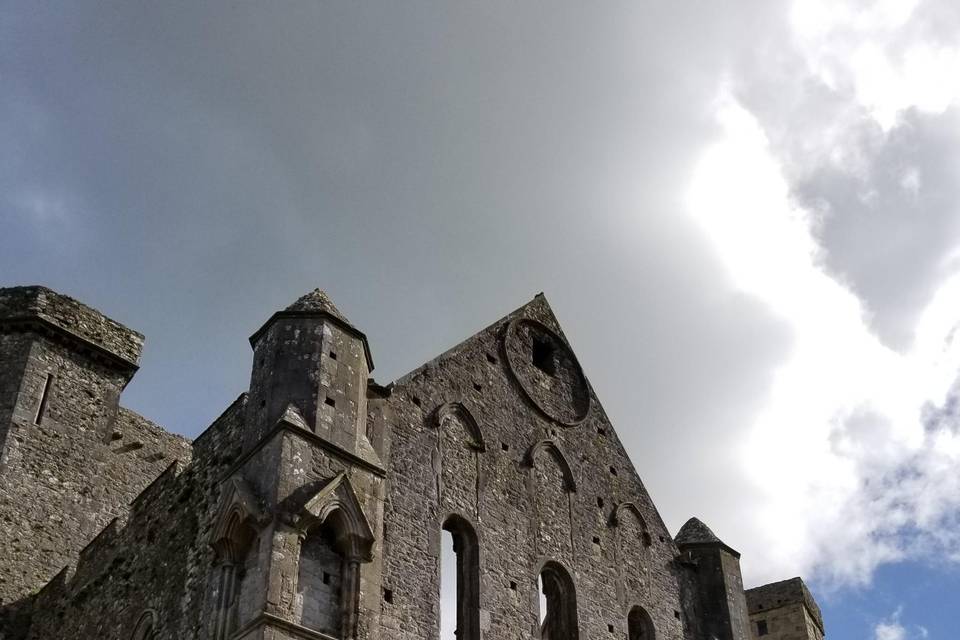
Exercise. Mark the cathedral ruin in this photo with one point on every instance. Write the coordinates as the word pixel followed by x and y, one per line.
pixel 313 507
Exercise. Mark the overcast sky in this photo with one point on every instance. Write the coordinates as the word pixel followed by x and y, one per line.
pixel 744 213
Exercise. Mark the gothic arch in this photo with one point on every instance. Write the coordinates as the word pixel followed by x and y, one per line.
pixel 146 627
pixel 336 503
pixel 466 546
pixel 553 449
pixel 616 518
pixel 234 531
pixel 336 538
pixel 460 412
pixel 560 618
pixel 639 625
pixel 236 522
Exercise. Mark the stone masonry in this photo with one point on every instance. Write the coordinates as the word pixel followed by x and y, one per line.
pixel 784 611
pixel 314 507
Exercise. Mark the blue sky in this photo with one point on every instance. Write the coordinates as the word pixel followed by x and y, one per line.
pixel 744 215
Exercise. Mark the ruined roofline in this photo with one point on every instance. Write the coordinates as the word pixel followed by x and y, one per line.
pixel 429 363
pixel 785 592
pixel 42 309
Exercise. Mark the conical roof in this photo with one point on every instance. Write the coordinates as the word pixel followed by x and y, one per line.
pixel 695 532
pixel 315 304
pixel 317 301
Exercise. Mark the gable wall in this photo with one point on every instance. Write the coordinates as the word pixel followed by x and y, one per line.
pixel 523 516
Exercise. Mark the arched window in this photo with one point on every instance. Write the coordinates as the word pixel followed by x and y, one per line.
pixel 559 621
pixel 320 581
pixel 639 625
pixel 234 538
pixel 146 627
pixel 466 548
pixel 336 539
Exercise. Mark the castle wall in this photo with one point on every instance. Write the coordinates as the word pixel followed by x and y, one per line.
pixel 317 502
pixel 784 610
pixel 523 515
pixel 64 479
pixel 157 559
pixel 789 622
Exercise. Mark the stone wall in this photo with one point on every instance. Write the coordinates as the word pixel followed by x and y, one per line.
pixel 784 610
pixel 67 471
pixel 157 558
pixel 535 489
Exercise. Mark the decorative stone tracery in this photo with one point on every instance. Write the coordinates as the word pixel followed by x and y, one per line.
pixel 333 530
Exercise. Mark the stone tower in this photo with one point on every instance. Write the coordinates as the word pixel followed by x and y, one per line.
pixel 719 585
pixel 71 458
pixel 784 611
pixel 301 512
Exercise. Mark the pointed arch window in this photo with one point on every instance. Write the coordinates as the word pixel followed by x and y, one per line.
pixel 639 625
pixel 559 621
pixel 234 539
pixel 336 539
pixel 466 548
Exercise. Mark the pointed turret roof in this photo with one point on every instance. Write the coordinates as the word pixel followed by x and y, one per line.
pixel 316 304
pixel 317 301
pixel 695 532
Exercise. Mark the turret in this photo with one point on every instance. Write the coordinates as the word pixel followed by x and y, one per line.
pixel 717 583
pixel 310 357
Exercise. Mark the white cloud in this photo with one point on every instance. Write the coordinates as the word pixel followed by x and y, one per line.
pixel 889 631
pixel 862 45
pixel 849 469
pixel 892 629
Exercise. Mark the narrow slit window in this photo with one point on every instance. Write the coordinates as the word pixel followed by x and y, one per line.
pixel 44 397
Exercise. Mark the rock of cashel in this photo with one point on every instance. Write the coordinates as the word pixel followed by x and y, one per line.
pixel 314 507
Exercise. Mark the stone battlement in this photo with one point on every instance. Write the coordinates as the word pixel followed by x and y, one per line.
pixel 39 307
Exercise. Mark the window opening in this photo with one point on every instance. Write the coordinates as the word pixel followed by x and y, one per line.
pixel 544 356
pixel 459 581
pixel 558 604
pixel 639 625
pixel 762 628
pixel 42 407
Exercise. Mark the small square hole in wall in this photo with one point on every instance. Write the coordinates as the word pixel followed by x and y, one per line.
pixel 326 578
pixel 491 359
pixel 676 614
pixel 263 403
pixel 416 401
pixel 388 596
pixel 513 586
pixel 330 402
pixel 333 355
pixel 647 542
pixel 505 446
pixel 613 471
pixel 610 628
pixel 661 539
pixel 600 502
pixel 601 431
pixel 596 540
